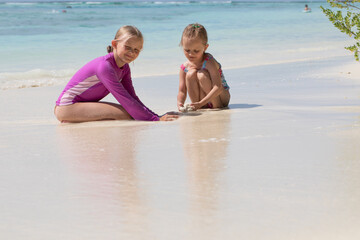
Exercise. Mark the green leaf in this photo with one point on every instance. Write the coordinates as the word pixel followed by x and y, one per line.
pixel 349 23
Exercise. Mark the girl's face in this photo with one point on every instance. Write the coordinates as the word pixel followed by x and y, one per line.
pixel 194 49
pixel 127 51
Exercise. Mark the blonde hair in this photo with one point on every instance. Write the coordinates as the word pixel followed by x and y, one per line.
pixel 194 30
pixel 124 33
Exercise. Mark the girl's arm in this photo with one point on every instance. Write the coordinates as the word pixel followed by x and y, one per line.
pixel 137 110
pixel 181 97
pixel 128 85
pixel 213 69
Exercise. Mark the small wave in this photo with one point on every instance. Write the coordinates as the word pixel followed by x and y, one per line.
pixel 214 140
pixel 54 11
pixel 169 3
pixel 34 78
pixel 20 3
pixel 94 3
pixel 132 3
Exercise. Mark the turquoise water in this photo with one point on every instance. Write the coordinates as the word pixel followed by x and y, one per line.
pixel 41 45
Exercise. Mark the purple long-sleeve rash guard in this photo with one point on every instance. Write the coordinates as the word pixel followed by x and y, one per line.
pixel 100 77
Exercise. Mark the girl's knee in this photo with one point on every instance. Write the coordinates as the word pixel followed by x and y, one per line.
pixel 63 113
pixel 191 74
pixel 58 114
pixel 203 75
pixel 191 79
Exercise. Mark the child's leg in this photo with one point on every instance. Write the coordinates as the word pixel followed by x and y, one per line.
pixel 192 85
pixel 206 85
pixel 225 98
pixel 91 111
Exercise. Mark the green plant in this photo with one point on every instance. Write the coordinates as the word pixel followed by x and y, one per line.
pixel 347 21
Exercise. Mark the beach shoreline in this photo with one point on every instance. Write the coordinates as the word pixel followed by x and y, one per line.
pixel 337 70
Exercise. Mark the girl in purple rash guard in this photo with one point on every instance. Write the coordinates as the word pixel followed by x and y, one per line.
pixel 79 101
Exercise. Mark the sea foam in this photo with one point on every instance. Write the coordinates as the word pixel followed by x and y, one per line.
pixel 34 78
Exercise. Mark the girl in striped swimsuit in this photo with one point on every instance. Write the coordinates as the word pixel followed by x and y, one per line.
pixel 201 76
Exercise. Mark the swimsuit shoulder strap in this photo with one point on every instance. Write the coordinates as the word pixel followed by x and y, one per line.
pixel 183 68
pixel 208 57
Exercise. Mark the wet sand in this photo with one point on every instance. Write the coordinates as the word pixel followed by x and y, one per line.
pixel 283 162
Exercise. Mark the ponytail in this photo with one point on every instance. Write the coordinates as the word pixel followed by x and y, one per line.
pixel 109 49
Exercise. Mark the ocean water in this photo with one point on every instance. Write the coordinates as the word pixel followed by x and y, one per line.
pixel 44 43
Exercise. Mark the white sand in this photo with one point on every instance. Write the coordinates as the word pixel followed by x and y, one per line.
pixel 282 163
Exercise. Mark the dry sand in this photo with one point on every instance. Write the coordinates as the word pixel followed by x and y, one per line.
pixel 283 162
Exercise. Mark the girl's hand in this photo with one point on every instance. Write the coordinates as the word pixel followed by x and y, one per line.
pixel 180 106
pixel 169 117
pixel 192 67
pixel 196 105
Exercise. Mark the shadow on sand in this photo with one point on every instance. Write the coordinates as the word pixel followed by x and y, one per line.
pixel 237 105
pixel 201 111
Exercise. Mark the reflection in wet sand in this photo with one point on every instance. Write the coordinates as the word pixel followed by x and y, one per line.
pixel 205 142
pixel 105 185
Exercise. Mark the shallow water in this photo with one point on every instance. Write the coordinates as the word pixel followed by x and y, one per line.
pixel 42 46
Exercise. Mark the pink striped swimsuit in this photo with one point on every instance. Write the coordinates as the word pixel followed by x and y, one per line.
pixel 100 77
pixel 208 56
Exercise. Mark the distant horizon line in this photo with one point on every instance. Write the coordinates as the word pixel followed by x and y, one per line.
pixel 155 1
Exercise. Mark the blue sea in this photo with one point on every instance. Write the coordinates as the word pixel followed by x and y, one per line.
pixel 44 43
